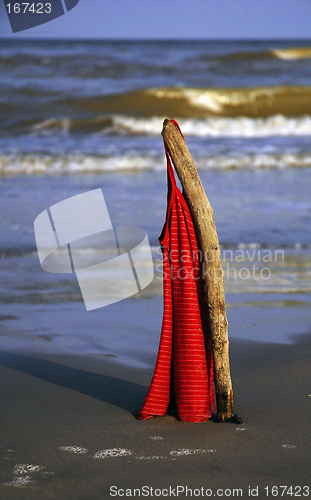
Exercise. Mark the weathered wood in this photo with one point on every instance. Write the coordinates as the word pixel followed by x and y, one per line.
pixel 202 215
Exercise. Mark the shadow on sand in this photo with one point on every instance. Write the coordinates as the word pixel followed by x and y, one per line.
pixel 122 393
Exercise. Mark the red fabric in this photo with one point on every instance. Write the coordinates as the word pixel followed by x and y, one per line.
pixel 185 360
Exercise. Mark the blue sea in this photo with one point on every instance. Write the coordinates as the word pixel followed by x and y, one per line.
pixel 81 115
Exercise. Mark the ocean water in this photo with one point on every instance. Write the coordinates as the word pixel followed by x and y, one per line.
pixel 81 115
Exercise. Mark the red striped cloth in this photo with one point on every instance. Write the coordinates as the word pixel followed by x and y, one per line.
pixel 184 368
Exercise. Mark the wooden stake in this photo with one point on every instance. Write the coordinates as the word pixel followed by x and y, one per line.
pixel 202 216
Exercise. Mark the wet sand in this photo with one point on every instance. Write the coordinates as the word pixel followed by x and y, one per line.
pixel 58 412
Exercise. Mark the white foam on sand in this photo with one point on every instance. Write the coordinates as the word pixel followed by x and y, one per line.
pixel 74 449
pixel 19 482
pixel 113 452
pixel 27 468
pixel 186 452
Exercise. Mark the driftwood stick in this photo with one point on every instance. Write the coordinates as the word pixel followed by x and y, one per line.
pixel 202 215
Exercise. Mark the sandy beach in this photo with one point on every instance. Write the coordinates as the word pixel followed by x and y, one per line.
pixel 70 429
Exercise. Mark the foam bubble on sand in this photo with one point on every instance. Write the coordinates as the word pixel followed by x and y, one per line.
pixel 186 452
pixel 240 429
pixel 157 438
pixel 27 468
pixel 19 482
pixel 288 446
pixel 153 457
pixel 74 449
pixel 112 452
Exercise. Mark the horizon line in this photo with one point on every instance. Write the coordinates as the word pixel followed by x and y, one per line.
pixel 12 36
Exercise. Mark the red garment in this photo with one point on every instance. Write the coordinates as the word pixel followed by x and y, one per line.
pixel 185 358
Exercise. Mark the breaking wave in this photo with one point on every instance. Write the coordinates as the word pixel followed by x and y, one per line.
pixel 285 108
pixel 288 54
pixel 206 127
pixel 86 164
pixel 218 127
pixel 181 102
